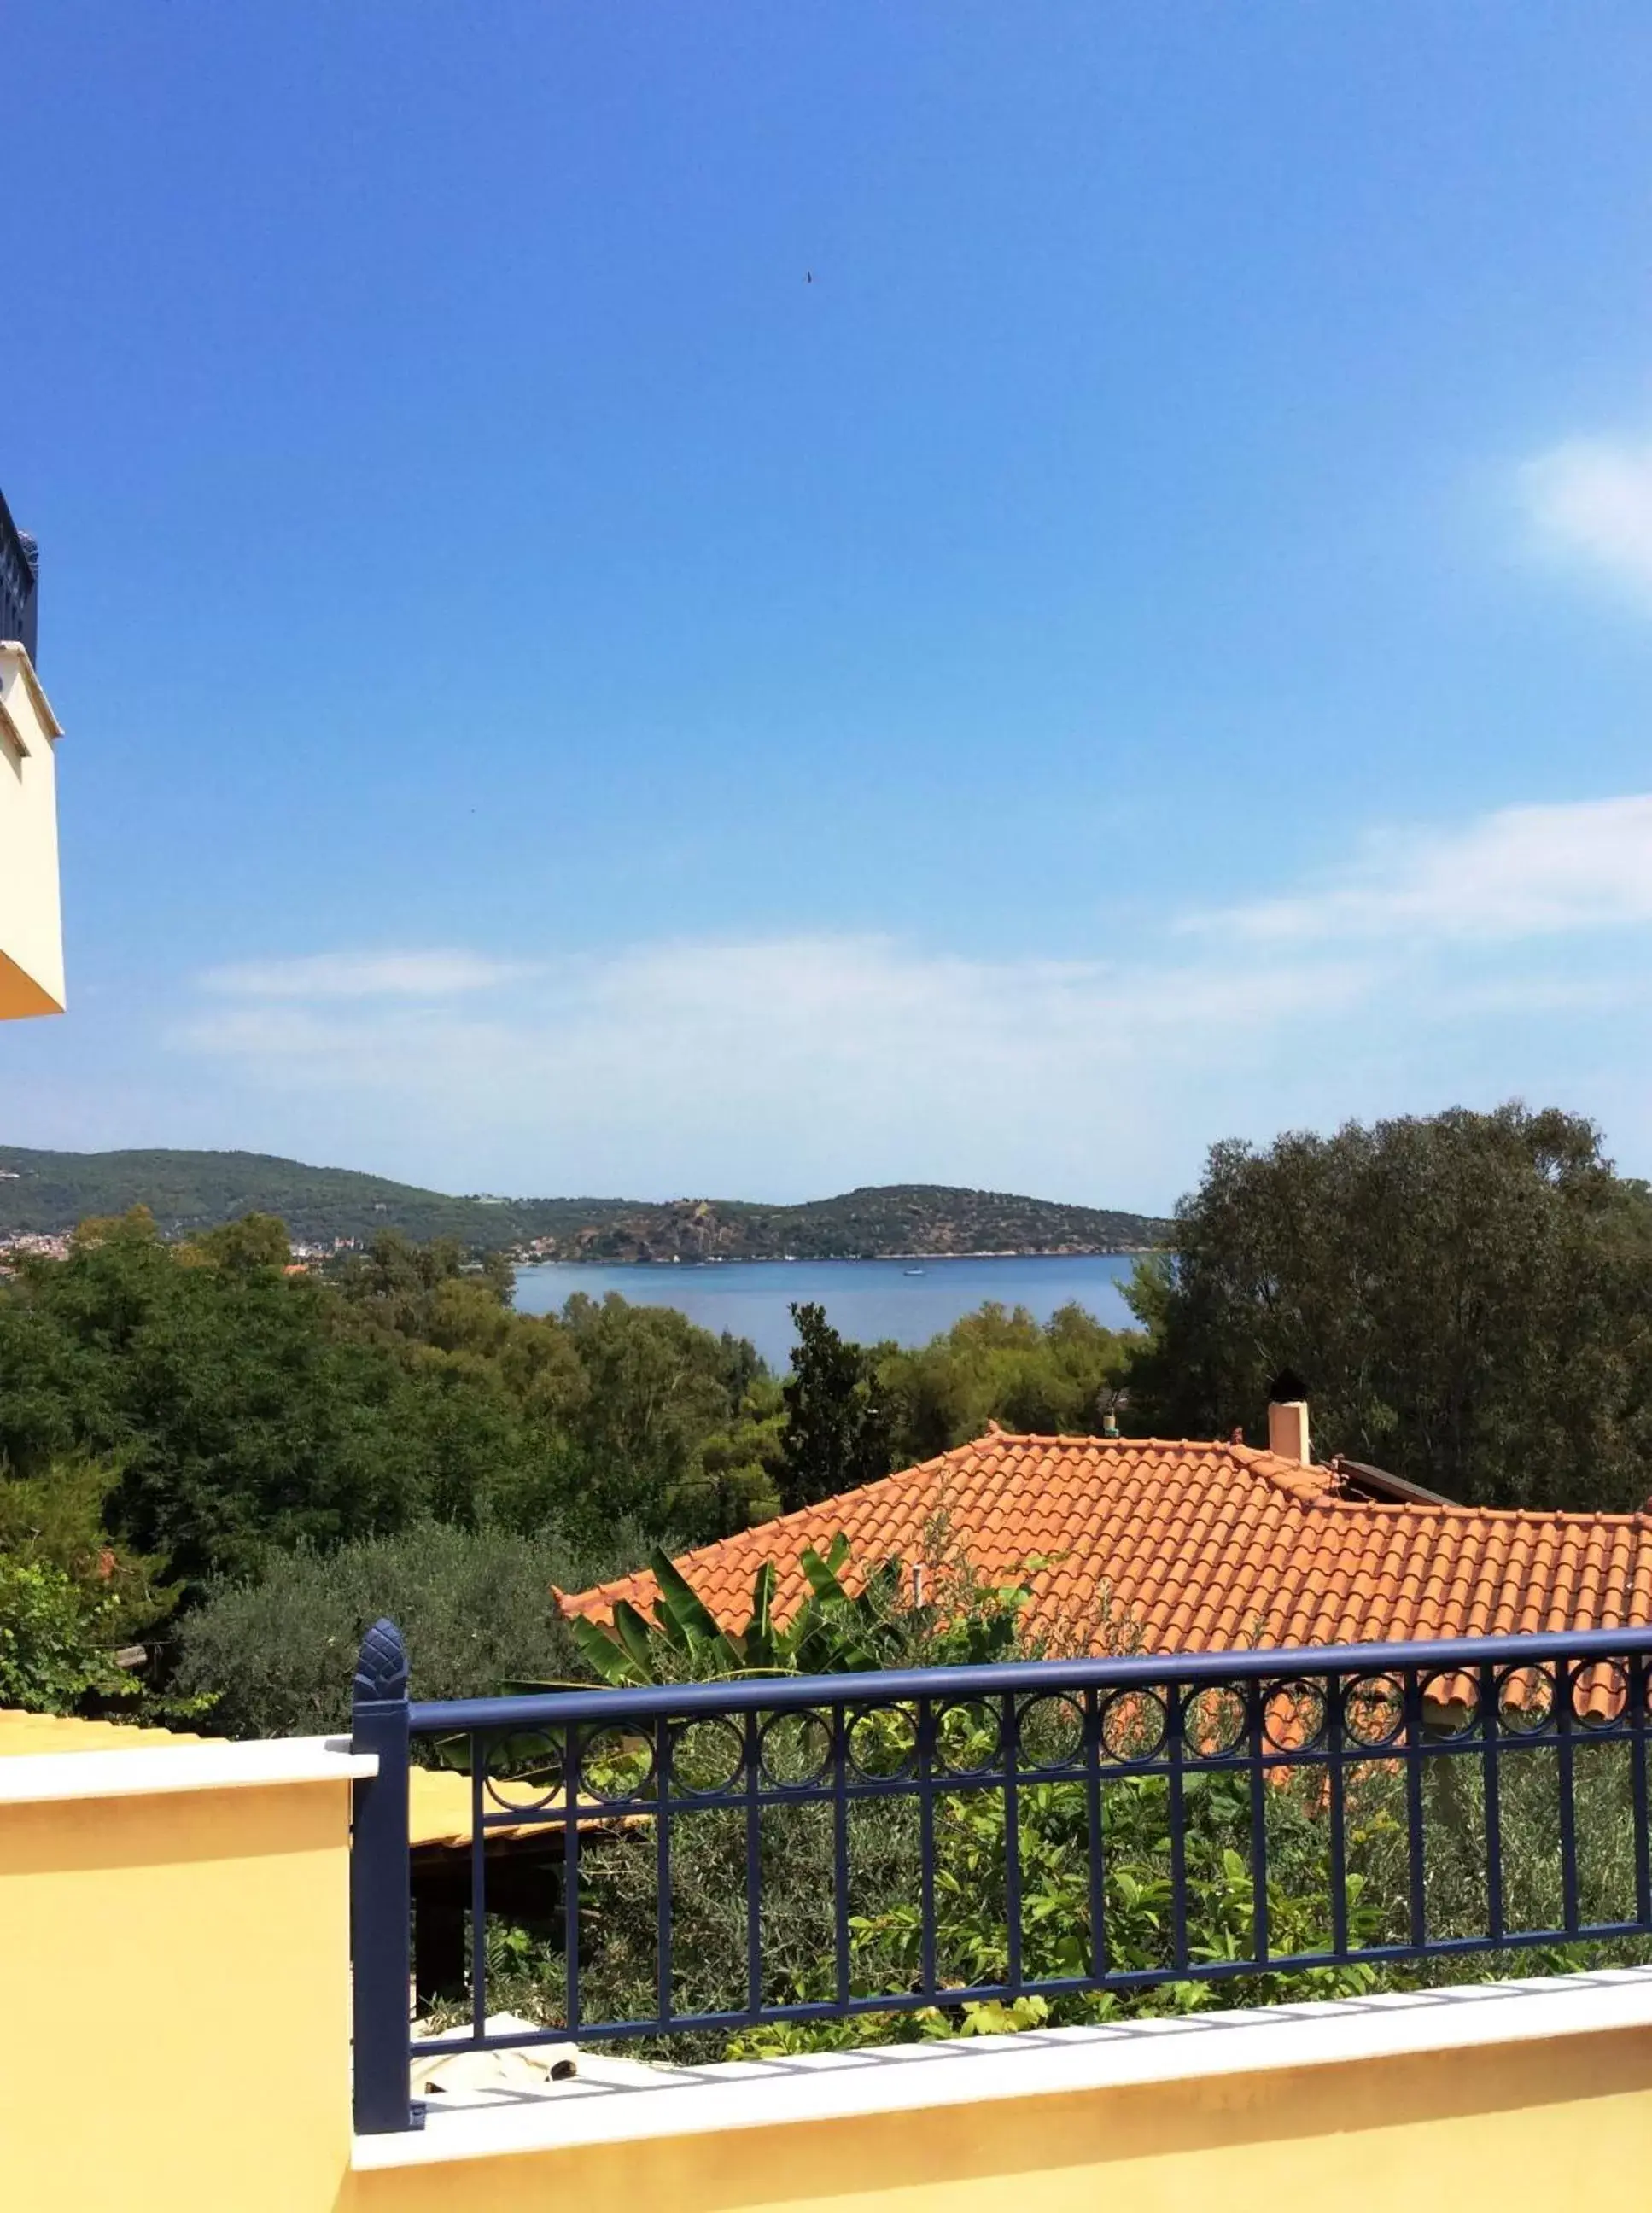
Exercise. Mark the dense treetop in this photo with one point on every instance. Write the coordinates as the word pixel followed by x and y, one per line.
pixel 244 1410
pixel 1467 1299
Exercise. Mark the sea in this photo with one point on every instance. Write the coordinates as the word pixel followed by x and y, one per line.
pixel 910 1301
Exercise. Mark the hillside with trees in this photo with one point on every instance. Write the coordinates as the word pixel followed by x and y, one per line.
pixel 48 1193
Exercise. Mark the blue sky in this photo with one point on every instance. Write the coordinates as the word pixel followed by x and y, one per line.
pixel 1151 643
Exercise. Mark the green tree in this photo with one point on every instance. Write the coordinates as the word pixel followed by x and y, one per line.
pixel 242 1247
pixel 57 1518
pixel 398 1288
pixel 1064 1377
pixel 1467 1298
pixel 56 1636
pixel 238 1420
pixel 655 1388
pixel 838 1431
pixel 248 1410
pixel 736 1480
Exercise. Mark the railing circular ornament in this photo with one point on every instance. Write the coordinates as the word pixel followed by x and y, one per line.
pixel 524 1771
pixel 1374 1712
pixel 615 1764
pixel 1451 1703
pixel 1526 1700
pixel 1600 1694
pixel 1294 1715
pixel 1215 1720
pixel 1050 1734
pixel 883 1742
pixel 1134 1725
pixel 708 1757
pixel 968 1738
pixel 794 1749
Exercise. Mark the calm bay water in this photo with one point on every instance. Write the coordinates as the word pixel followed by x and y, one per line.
pixel 865 1299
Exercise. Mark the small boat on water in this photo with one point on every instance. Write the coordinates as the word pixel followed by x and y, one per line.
pixel 914 1271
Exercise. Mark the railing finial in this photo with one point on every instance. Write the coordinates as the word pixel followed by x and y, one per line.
pixel 381 1665
pixel 380 1879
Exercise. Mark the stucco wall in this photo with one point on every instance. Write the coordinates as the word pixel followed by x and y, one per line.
pixel 1531 2128
pixel 31 926
pixel 174 2039
pixel 174 2032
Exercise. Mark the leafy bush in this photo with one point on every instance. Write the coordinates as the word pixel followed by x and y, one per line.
pixel 797 1847
pixel 619 1893
pixel 57 1518
pixel 55 1639
pixel 275 1654
pixel 964 1621
pixel 734 1479
pixel 833 1633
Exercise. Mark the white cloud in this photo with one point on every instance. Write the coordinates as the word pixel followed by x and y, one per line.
pixel 438 974
pixel 766 1012
pixel 1523 872
pixel 1590 500
pixel 782 1066
pixel 1467 963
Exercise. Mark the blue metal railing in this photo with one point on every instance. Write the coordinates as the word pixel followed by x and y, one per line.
pixel 647 1760
pixel 19 585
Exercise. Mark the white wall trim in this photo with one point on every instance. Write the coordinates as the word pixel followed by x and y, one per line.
pixel 38 1778
pixel 899 2078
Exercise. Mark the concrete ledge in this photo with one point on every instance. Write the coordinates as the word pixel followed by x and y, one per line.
pixel 41 1778
pixel 894 2078
pixel 14 653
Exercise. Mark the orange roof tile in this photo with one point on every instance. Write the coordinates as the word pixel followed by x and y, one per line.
pixel 1170 1547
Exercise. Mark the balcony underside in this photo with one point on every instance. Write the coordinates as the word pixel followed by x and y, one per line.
pixel 20 995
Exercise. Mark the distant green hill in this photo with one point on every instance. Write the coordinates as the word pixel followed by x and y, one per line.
pixel 49 1193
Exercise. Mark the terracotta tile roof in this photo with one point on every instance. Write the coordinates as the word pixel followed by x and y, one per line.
pixel 1194 1546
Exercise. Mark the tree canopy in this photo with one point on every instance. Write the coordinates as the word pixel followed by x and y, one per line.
pixel 1466 1296
pixel 837 1435
pixel 243 1411
pixel 1064 1376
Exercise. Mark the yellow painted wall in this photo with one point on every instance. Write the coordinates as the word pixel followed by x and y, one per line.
pixel 174 2002
pixel 1535 2128
pixel 174 2039
pixel 30 921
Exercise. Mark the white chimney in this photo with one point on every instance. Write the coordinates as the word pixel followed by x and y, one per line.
pixel 1287 1430
pixel 1288 1418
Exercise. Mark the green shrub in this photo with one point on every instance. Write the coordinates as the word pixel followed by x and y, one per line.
pixel 835 1632
pixel 275 1654
pixel 55 1636
pixel 57 1518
